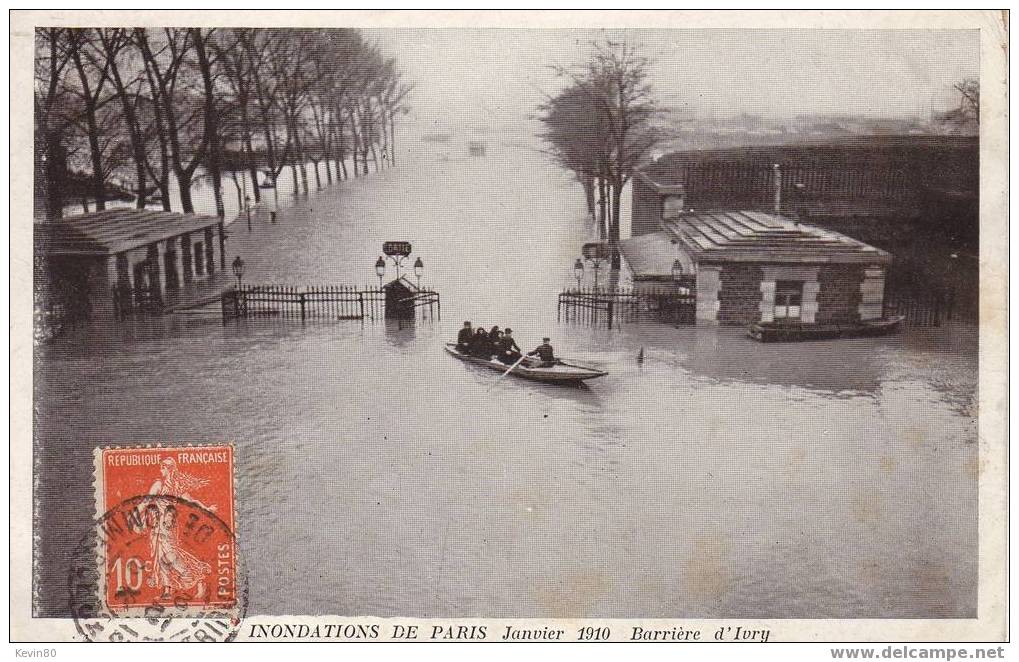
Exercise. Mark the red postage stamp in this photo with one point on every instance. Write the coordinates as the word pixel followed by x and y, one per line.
pixel 166 528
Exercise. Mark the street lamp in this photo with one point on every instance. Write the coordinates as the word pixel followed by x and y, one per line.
pixel 419 269
pixel 380 269
pixel 238 269
pixel 677 270
pixel 578 271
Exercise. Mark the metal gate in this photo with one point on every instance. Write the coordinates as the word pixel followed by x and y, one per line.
pixel 611 307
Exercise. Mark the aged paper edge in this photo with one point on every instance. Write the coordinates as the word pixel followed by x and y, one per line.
pixel 990 624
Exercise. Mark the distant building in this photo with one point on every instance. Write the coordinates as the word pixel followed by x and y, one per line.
pixel 884 178
pixel 751 266
pixel 110 263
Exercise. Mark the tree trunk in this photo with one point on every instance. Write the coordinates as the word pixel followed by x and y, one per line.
pixel 617 194
pixel 603 214
pixel 134 129
pixel 375 159
pixel 318 177
pixel 96 153
pixel 163 178
pixel 56 175
pixel 392 139
pixel 185 195
pixel 329 167
pixel 588 183
pixel 211 121
pixel 252 166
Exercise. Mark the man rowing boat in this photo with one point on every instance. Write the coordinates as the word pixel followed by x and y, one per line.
pixel 545 352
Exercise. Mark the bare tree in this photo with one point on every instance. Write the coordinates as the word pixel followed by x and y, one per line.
pixel 614 86
pixel 969 104
pixel 52 57
pixel 93 75
pixel 181 105
pixel 182 100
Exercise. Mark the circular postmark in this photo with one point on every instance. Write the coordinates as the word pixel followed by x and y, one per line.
pixel 157 568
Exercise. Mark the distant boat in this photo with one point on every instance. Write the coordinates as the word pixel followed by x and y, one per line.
pixel 560 373
pixel 794 332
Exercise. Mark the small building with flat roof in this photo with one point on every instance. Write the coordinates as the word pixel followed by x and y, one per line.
pixel 111 263
pixel 753 266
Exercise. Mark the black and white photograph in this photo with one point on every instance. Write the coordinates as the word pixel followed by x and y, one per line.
pixel 456 330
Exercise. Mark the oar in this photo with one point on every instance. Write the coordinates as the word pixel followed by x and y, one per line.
pixel 522 357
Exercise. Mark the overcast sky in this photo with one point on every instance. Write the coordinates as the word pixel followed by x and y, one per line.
pixel 468 75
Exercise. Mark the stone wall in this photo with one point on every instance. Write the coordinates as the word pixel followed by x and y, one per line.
pixel 739 295
pixel 839 297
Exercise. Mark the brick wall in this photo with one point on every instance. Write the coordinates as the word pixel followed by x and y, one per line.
pixel 740 293
pixel 839 297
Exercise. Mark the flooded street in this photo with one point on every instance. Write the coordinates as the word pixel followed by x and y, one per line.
pixel 717 478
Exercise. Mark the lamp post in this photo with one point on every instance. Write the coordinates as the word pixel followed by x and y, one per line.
pixel 578 271
pixel 677 270
pixel 419 270
pixel 380 269
pixel 238 268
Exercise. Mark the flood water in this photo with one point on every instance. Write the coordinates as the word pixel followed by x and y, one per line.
pixel 377 476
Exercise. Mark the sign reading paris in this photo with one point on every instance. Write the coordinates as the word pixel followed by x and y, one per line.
pixel 401 248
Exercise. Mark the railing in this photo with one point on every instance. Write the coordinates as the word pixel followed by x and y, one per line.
pixel 596 306
pixel 330 302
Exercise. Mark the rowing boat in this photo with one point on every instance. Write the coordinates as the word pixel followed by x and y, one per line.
pixel 562 372
pixel 792 332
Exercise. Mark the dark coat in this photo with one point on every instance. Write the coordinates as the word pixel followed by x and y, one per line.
pixel 545 353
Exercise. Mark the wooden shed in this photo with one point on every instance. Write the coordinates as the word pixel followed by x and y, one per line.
pixel 111 263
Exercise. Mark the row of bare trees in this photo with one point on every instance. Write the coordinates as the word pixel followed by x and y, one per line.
pixel 129 108
pixel 601 126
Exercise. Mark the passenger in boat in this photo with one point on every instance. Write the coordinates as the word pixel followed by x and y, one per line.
pixel 545 352
pixel 463 339
pixel 509 352
pixel 480 345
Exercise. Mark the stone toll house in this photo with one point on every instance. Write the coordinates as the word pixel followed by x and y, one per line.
pixel 755 266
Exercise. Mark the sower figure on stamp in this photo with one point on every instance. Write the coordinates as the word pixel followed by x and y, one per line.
pixel 175 568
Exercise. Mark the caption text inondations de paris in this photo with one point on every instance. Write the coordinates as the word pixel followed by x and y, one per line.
pixel 444 632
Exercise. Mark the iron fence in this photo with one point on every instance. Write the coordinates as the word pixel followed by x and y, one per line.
pixel 614 306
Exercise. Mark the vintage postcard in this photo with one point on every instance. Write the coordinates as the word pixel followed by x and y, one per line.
pixel 509 326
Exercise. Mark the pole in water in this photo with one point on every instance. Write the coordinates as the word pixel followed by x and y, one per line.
pixel 640 355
